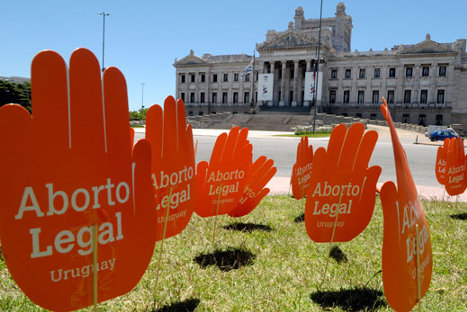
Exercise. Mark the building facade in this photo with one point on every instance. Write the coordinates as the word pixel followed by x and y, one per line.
pixel 424 83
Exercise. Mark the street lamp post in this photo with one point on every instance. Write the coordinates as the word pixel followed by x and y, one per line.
pixel 142 95
pixel 103 36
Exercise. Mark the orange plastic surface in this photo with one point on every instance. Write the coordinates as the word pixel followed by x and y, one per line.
pixel 222 179
pixel 301 171
pixel 455 181
pixel 342 184
pixel 402 210
pixel 440 166
pixel 258 175
pixel 65 168
pixel 172 165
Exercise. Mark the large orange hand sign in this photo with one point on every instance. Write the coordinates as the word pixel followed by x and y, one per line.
pixel 342 185
pixel 301 171
pixel 455 167
pixel 68 167
pixel 220 184
pixel 258 175
pixel 402 211
pixel 172 166
pixel 440 167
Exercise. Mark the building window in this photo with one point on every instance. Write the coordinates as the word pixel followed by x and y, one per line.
pixel 425 71
pixel 192 97
pixel 407 96
pixel 182 95
pixel 423 96
pixel 182 78
pixel 332 96
pixel 442 71
pixel 375 97
pixel 235 97
pixel 372 116
pixel 192 77
pixel 346 96
pixel 333 73
pixel 247 77
pixel 440 97
pixel 203 78
pixel 246 97
pixel 292 72
pixel 236 77
pixel 226 77
pixel 439 120
pixel 408 71
pixel 361 73
pixel 390 98
pixel 214 78
pixel 392 72
pixel 214 97
pixel 201 97
pixel 377 73
pixel 405 118
pixel 358 115
pixel 361 97
pixel 422 120
pixel 224 97
pixel 348 73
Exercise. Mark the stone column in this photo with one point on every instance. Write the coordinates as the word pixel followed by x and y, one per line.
pixel 295 84
pixel 308 69
pixel 282 90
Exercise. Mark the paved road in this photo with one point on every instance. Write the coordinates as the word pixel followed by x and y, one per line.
pixel 283 151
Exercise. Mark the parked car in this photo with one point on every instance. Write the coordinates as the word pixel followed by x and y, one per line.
pixel 442 134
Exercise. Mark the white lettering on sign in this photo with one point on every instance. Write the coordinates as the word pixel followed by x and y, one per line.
pixel 165 180
pixel 84 271
pixel 65 241
pixel 220 176
pixel 80 199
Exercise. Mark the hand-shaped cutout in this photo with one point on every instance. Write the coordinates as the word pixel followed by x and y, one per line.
pixel 440 167
pixel 455 167
pixel 222 180
pixel 301 171
pixel 172 165
pixel 341 183
pixel 65 168
pixel 258 175
pixel 402 210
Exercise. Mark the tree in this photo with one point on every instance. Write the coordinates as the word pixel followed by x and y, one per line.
pixel 18 93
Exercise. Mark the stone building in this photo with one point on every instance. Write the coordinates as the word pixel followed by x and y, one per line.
pixel 424 83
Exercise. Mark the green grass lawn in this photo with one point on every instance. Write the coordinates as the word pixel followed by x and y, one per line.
pixel 266 262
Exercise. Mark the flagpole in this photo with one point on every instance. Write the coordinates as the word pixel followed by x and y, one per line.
pixel 252 100
pixel 317 67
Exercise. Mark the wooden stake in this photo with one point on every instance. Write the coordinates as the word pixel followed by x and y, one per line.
pixel 94 261
pixel 215 218
pixel 162 242
pixel 419 285
pixel 332 237
pixel 196 148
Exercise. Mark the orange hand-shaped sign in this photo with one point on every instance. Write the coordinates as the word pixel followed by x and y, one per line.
pixel 258 175
pixel 220 184
pixel 455 180
pixel 341 195
pixel 403 213
pixel 65 169
pixel 440 167
pixel 172 166
pixel 301 171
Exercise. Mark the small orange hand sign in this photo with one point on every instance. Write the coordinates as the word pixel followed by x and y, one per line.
pixel 301 171
pixel 402 211
pixel 172 165
pixel 440 167
pixel 220 184
pixel 258 175
pixel 455 167
pixel 342 185
pixel 68 167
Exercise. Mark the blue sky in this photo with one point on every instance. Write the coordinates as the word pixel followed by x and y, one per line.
pixel 144 37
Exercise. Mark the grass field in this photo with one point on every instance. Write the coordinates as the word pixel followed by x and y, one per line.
pixel 266 262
